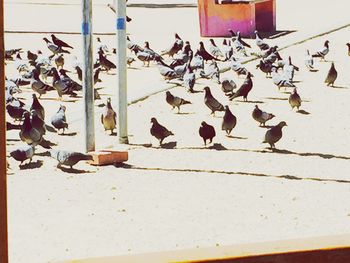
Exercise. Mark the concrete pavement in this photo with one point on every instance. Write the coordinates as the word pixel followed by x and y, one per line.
pixel 187 196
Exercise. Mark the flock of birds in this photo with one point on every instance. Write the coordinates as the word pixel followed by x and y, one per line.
pixel 183 64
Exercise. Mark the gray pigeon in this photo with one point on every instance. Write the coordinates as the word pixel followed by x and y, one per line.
pixel 15 112
pixel 23 153
pixel 37 107
pixel 229 121
pixel 309 61
pixel 38 85
pixel 331 76
pixel 261 116
pixel 260 42
pixel 189 79
pixel 68 158
pixel 175 47
pixel 279 80
pixel 59 119
pixel 211 102
pixel 274 134
pixel 214 50
pixel 322 52
pixel 294 99
pixel 159 131
pixel 238 67
pixel 207 132
pixel 109 117
pixel 245 88
pixel 29 134
pixel 59 60
pixel 227 86
pixel 37 123
pixel 175 101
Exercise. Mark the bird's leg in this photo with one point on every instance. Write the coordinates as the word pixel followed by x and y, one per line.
pixel 30 160
pixel 178 110
pixel 59 165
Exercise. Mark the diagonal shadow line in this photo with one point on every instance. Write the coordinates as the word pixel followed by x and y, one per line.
pixel 283 176
pixel 279 151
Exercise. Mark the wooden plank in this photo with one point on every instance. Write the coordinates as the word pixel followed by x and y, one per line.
pixel 3 162
pixel 328 249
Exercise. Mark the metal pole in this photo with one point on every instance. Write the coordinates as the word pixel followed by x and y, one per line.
pixel 3 162
pixel 88 84
pixel 121 68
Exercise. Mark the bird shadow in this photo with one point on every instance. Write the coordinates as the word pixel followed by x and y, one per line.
pixel 236 137
pixel 196 91
pixel 101 105
pixel 184 113
pixel 146 145
pixel 169 145
pixel 271 98
pixel 10 126
pixel 218 147
pixel 134 68
pixel 340 87
pixel 13 140
pixel 68 134
pixel 303 112
pixel 50 128
pixel 73 170
pixel 322 155
pixel 313 70
pixel 252 101
pixel 31 165
pixel 43 154
pixel 297 81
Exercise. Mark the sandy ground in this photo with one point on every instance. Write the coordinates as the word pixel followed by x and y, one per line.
pixel 236 191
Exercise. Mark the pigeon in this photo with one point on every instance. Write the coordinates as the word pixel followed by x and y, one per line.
pixel 288 70
pixel 38 85
pixel 145 57
pixel 15 112
pixel 227 50
pixel 294 99
pixel 23 153
pixel 229 121
pixel 261 116
pixel 102 46
pixel 150 51
pixel 61 86
pixel 20 64
pixel 204 53
pixel 167 72
pixel 175 47
pixel 227 86
pixel 109 117
pixel 96 75
pixel 207 132
pixel 260 42
pixel 239 38
pixel 237 44
pixel 79 72
pixel 322 52
pixel 174 101
pixel 211 102
pixel 197 62
pixel 105 63
pixel 159 131
pixel 238 67
pixel 20 81
pixel 28 134
pixel 189 79
pixel 265 67
pixel 36 106
pixel 214 50
pixel 54 48
pixel 309 61
pixel 274 134
pixel 69 158
pixel 59 119
pixel 129 61
pixel 182 57
pixel 31 56
pixel 59 42
pixel 279 80
pixel 211 72
pixel 59 60
pixel 272 55
pixel 348 45
pixel 10 52
pixel 73 84
pixel 245 88
pixel 37 123
pixel 331 76
pixel 132 46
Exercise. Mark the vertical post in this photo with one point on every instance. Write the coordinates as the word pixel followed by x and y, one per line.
pixel 88 84
pixel 3 162
pixel 122 101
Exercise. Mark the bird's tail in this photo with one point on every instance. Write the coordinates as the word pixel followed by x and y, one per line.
pixel 186 102
pixel 233 96
pixel 86 157
pixel 316 56
pixel 65 51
